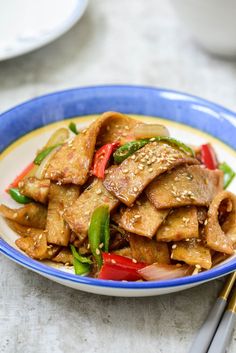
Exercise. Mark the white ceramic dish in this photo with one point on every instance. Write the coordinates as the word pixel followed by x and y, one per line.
pixel 26 25
pixel 177 110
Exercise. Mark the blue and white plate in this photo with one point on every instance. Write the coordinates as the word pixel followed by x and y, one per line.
pixel 26 127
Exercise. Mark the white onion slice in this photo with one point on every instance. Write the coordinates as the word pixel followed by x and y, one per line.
pixel 150 130
pixel 39 174
pixel 158 272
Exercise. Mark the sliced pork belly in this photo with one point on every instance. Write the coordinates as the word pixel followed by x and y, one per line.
pixel 71 164
pixel 142 218
pixel 192 252
pixel 79 213
pixel 60 196
pixel 185 185
pixel 36 189
pixel 181 223
pixel 220 230
pixel 148 250
pixel 129 179
pixel 31 215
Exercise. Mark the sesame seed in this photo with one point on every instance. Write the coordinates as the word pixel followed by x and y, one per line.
pixel 101 245
pixel 126 127
pixel 97 251
pixel 40 236
pixel 206 221
pixel 135 189
pixel 140 167
pixel 137 216
pixel 88 246
pixel 125 171
pixel 99 191
pixel 133 156
pixel 187 239
pixel 135 261
pixel 152 139
pixel 174 246
pixel 113 261
pixel 150 170
pixel 198 267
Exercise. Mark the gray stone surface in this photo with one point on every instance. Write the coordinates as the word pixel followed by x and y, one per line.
pixel 134 42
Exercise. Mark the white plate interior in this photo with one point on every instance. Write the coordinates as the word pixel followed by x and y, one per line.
pixel 28 24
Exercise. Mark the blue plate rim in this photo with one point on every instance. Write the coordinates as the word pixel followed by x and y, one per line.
pixel 27 262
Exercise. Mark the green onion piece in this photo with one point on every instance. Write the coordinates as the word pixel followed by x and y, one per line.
pixel 229 174
pixel 129 148
pixel 43 154
pixel 81 268
pixel 73 128
pixel 98 232
pixel 83 259
pixel 18 197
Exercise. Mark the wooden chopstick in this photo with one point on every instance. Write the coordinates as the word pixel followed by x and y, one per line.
pixel 206 333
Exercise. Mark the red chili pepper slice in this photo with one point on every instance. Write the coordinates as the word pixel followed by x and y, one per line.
pixel 208 156
pixel 102 157
pixel 19 177
pixel 118 268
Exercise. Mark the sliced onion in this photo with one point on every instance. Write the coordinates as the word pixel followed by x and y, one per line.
pixel 42 167
pixel 158 272
pixel 150 130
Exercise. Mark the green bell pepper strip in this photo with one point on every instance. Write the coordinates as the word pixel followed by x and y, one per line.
pixel 80 268
pixel 43 154
pixel 73 128
pixel 98 233
pixel 229 174
pixel 18 197
pixel 83 259
pixel 129 148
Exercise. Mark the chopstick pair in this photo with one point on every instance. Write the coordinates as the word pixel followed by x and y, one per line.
pixel 215 334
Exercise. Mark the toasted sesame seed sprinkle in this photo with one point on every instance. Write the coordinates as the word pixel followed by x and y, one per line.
pixel 97 251
pixel 174 246
pixel 135 189
pixel 206 221
pixel 150 170
pixel 133 156
pixel 134 260
pixel 113 261
pixel 99 191
pixel 125 171
pixel 198 267
pixel 101 245
pixel 152 139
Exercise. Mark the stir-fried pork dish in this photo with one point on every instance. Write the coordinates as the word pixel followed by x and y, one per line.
pixel 122 200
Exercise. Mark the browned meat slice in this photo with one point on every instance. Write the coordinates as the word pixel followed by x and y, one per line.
pixel 79 214
pixel 116 127
pixel 192 253
pixel 71 164
pixel 60 196
pixel 148 250
pixel 64 256
pixel 35 247
pixel 186 185
pixel 128 180
pixel 31 215
pixel 23 231
pixel 142 218
pixel 181 223
pixel 35 188
pixel 221 228
pixel 124 252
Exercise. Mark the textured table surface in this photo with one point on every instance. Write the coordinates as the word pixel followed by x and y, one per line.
pixel 133 42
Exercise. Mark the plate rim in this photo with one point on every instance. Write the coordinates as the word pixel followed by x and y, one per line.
pixel 39 267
